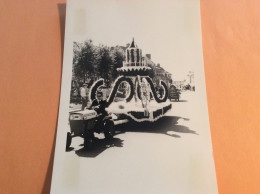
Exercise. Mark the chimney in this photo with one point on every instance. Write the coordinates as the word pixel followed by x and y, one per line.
pixel 148 56
pixel 127 45
pixel 158 64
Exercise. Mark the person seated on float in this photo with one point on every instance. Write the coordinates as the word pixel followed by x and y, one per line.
pixel 99 104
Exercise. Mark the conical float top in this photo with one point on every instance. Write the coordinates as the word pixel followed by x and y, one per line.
pixel 134 64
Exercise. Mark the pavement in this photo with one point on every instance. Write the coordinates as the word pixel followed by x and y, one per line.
pixel 172 155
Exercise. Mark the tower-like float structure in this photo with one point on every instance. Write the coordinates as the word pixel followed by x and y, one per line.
pixel 141 101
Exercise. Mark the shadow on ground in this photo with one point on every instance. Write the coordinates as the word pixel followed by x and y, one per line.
pixel 167 125
pixel 179 101
pixel 99 146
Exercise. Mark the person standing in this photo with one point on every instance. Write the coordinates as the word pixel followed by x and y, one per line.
pixel 84 95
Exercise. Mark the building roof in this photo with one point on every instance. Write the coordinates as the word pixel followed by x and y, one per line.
pixel 151 64
pixel 149 61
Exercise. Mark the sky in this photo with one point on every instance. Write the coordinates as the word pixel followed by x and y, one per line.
pixel 169 30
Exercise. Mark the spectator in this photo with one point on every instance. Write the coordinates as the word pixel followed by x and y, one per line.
pixel 84 95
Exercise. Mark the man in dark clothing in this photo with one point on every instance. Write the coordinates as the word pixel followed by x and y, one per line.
pixel 99 104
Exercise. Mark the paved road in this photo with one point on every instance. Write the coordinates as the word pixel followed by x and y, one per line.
pixel 170 156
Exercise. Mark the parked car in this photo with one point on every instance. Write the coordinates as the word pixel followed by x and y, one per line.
pixel 174 93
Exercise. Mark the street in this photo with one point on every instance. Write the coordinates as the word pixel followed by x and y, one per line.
pixel 172 155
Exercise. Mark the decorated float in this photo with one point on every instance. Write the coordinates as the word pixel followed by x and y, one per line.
pixel 141 101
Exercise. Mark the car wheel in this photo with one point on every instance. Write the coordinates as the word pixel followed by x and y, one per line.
pixel 109 131
pixel 69 139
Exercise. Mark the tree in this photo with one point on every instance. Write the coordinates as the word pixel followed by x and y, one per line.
pixel 76 52
pixel 84 60
pixel 118 58
pixel 104 63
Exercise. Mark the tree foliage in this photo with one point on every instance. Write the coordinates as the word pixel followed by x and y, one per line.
pixel 84 63
pixel 118 58
pixel 92 62
pixel 104 63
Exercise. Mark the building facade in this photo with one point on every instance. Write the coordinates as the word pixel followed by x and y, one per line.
pixel 179 84
pixel 159 72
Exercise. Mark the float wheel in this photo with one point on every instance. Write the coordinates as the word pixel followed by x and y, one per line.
pixel 69 139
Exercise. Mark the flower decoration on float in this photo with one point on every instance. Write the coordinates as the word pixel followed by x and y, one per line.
pixel 141 102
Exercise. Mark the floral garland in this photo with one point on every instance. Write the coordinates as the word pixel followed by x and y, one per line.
pixel 152 117
pixel 94 88
pixel 120 79
pixel 115 88
pixel 163 84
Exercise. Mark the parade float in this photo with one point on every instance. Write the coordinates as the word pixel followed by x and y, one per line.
pixel 140 103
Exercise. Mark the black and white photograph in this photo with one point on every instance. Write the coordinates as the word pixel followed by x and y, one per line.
pixel 133 114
